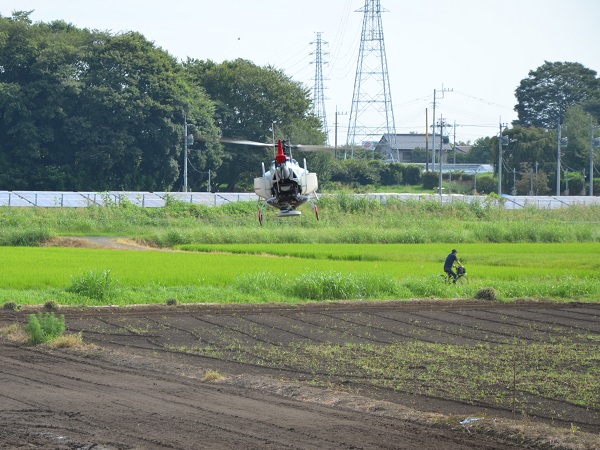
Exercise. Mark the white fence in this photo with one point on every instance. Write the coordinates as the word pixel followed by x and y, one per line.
pixel 59 199
pixel 47 199
pixel 510 202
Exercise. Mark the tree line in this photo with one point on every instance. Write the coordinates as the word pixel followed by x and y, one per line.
pixel 90 110
pixel 555 93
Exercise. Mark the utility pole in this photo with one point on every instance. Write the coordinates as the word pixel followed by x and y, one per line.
pixel 187 140
pixel 530 180
pixel 453 161
pixel 591 156
pixel 335 145
pixel 426 141
pixel 594 142
pixel 433 134
pixel 434 102
pixel 562 142
pixel 441 144
pixel 185 154
pixel 501 142
pixel 558 163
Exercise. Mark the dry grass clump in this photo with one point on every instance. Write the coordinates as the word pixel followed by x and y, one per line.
pixel 74 341
pixel 14 332
pixel 486 293
pixel 212 375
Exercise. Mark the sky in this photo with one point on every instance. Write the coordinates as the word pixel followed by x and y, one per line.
pixel 472 53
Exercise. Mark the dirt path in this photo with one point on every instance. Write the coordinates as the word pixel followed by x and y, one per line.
pixel 137 390
pixel 107 242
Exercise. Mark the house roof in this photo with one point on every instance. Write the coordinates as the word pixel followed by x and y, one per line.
pixel 411 141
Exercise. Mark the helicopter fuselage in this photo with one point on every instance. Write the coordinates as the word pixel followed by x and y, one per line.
pixel 286 185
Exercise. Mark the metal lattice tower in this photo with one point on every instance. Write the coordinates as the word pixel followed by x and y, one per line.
pixel 371 115
pixel 318 93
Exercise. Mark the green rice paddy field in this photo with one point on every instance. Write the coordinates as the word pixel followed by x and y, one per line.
pixel 295 272
pixel 360 249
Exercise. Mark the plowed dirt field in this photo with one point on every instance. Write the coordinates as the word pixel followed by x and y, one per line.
pixel 206 376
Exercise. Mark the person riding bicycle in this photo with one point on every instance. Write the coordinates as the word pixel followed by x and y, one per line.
pixel 449 264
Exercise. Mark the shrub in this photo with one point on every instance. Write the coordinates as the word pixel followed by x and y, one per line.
pixel 486 185
pixel 391 174
pixel 431 180
pixel 44 327
pixel 93 284
pixel 11 306
pixel 411 174
pixel 486 293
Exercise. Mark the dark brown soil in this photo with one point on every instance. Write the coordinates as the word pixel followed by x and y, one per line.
pixel 138 386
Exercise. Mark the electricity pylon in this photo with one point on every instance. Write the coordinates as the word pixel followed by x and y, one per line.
pixel 371 115
pixel 318 92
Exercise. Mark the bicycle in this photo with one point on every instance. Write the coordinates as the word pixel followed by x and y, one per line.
pixel 461 279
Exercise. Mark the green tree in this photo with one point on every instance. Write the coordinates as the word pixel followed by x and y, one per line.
pixel 36 84
pixel 545 95
pixel 528 146
pixel 419 155
pixel 482 151
pixel 137 95
pixel 358 171
pixel 87 110
pixel 322 163
pixel 254 103
pixel 576 155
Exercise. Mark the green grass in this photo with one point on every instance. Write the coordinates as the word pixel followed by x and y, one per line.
pixel 295 272
pixel 344 219
pixel 361 248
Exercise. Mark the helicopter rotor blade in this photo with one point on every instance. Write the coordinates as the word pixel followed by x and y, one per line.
pixel 312 148
pixel 234 141
pixel 303 148
pixel 243 142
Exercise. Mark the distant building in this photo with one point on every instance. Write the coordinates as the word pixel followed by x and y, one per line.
pixel 399 147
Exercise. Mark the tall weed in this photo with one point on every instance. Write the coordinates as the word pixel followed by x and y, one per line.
pixel 95 284
pixel 24 237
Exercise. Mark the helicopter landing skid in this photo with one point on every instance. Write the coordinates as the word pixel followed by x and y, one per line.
pixel 315 208
pixel 286 212
pixel 289 213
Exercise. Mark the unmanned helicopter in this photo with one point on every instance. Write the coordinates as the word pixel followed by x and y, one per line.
pixel 286 185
